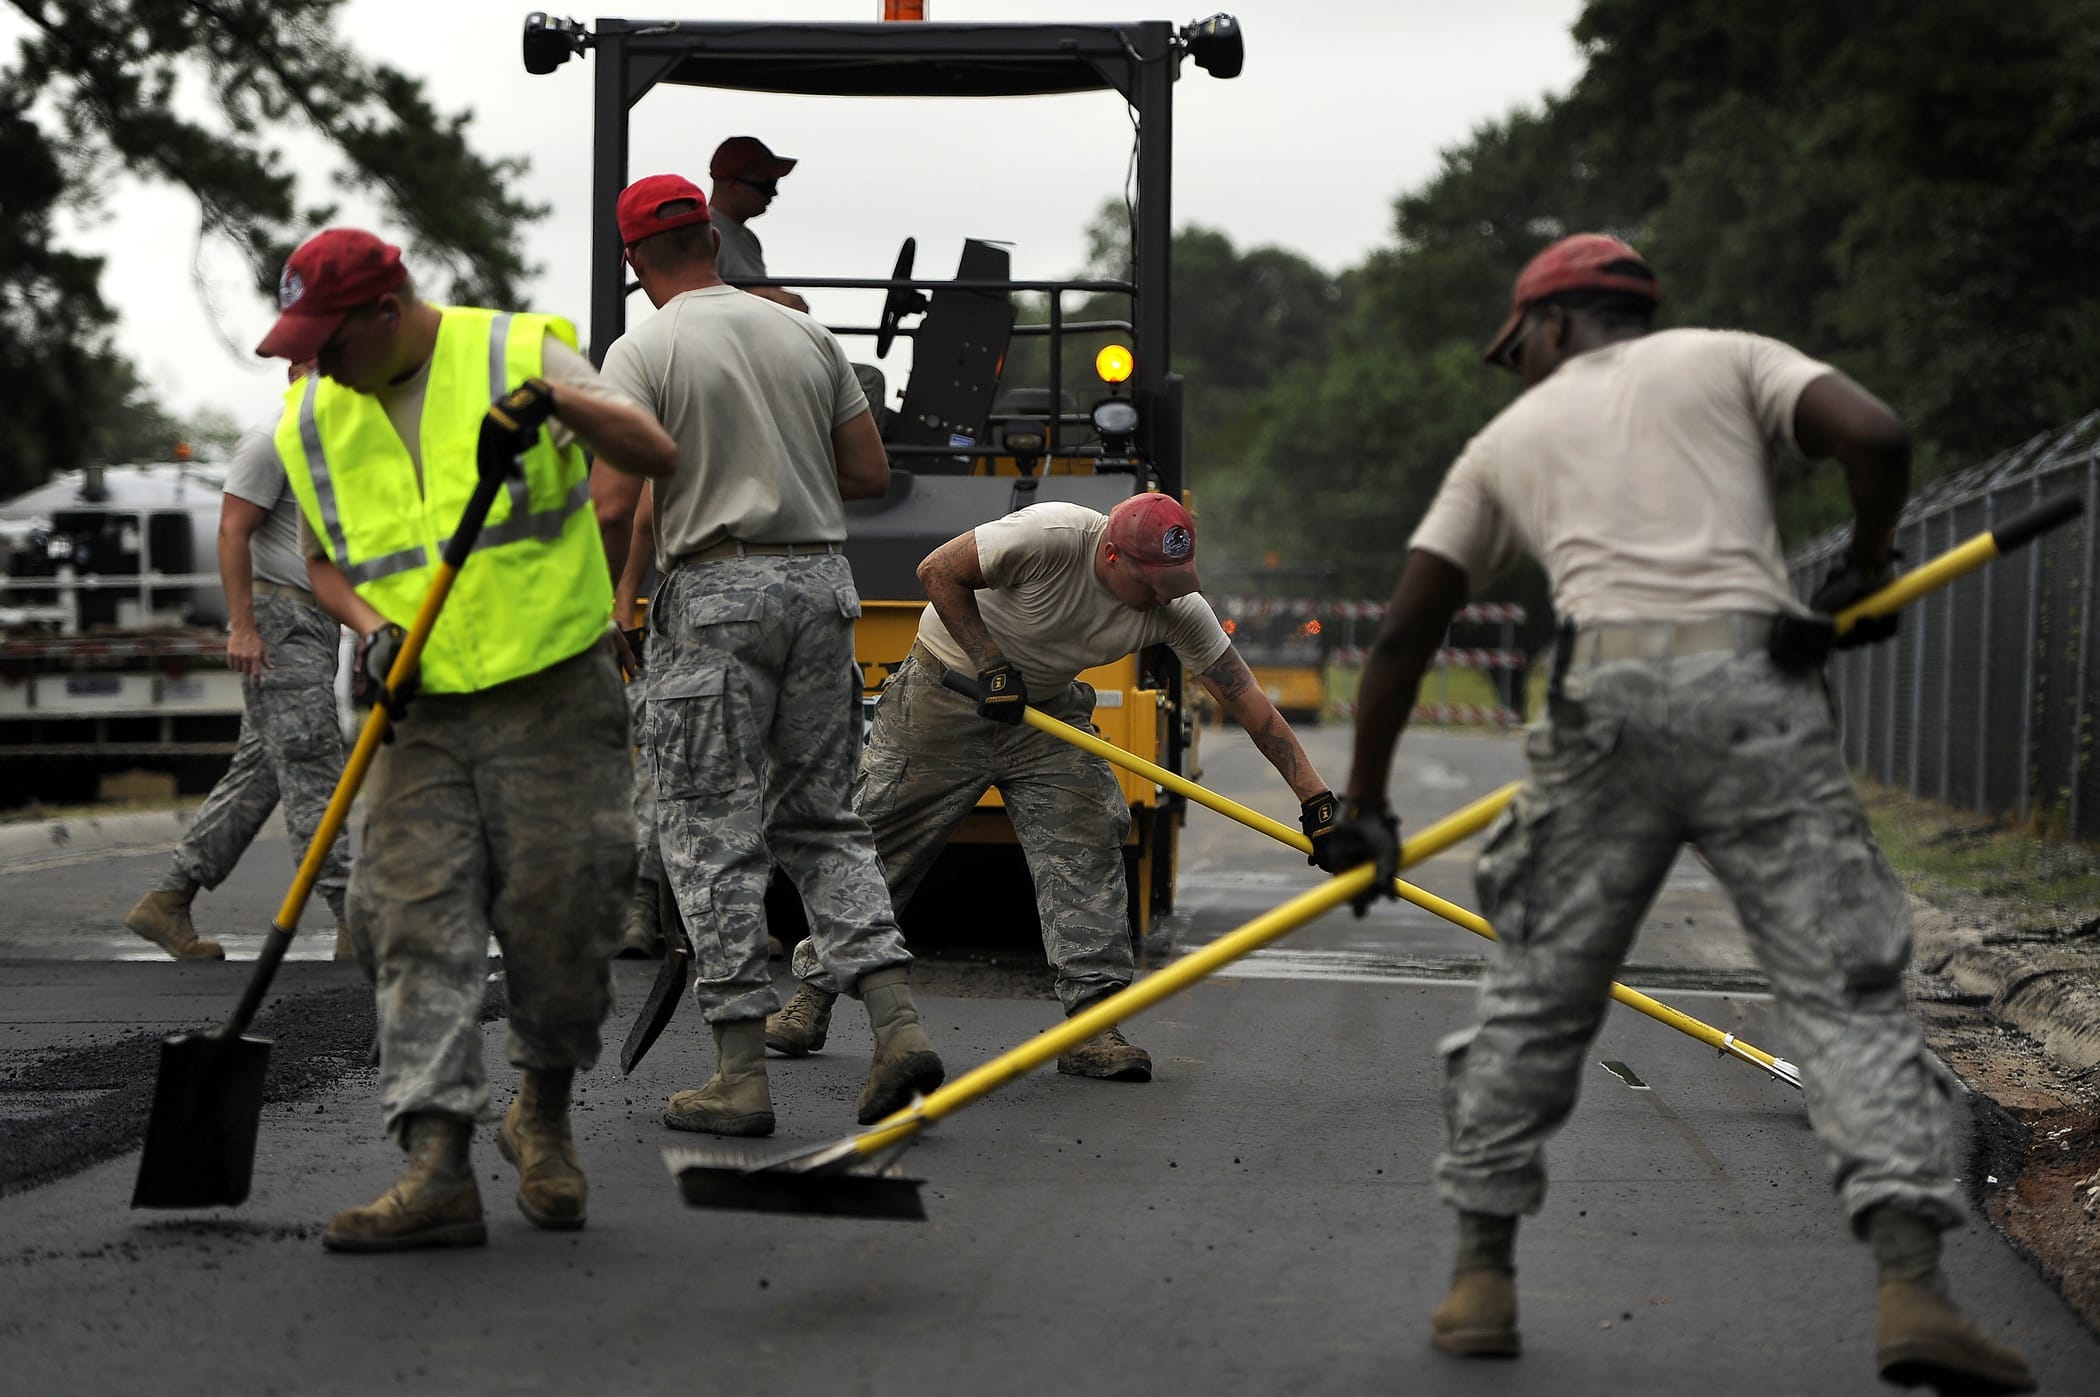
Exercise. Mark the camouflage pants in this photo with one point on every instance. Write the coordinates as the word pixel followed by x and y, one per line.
pixel 1741 760
pixel 648 865
pixel 503 811
pixel 290 753
pixel 750 737
pixel 928 760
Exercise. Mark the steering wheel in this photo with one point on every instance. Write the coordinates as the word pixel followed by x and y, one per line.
pixel 902 300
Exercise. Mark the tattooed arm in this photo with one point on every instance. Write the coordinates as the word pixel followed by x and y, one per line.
pixel 952 577
pixel 1232 684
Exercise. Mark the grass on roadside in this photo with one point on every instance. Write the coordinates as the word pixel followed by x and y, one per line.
pixel 1992 857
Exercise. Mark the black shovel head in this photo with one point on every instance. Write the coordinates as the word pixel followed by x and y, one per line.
pixel 720 1177
pixel 662 1003
pixel 200 1140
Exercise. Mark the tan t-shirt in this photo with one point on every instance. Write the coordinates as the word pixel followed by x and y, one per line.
pixel 1639 475
pixel 562 366
pixel 751 391
pixel 1051 615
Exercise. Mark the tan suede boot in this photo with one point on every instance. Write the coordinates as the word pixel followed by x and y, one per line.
pixel 798 1028
pixel 535 1137
pixel 163 917
pixel 643 935
pixel 737 1100
pixel 905 1063
pixel 1919 1337
pixel 1478 1319
pixel 433 1204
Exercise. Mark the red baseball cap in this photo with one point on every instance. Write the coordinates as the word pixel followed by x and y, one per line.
pixel 746 157
pixel 333 273
pixel 1156 533
pixel 1580 262
pixel 640 210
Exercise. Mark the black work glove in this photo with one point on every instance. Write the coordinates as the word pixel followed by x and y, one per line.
pixel 1317 817
pixel 1369 832
pixel 375 660
pixel 512 425
pixel 1852 581
pixel 1001 696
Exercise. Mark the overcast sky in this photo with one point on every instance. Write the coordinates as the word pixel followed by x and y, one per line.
pixel 1344 104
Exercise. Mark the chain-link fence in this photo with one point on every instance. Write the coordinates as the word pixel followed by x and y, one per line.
pixel 1985 696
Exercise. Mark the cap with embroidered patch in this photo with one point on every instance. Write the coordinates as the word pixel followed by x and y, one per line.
pixel 1154 532
pixel 331 274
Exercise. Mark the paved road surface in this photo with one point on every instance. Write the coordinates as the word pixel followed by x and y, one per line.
pixel 1258 1219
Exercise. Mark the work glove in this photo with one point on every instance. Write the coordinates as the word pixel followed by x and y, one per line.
pixel 511 425
pixel 376 651
pixel 1001 696
pixel 1853 581
pixel 1317 818
pixel 1368 832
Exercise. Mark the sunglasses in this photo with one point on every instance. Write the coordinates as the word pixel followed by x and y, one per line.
pixel 763 186
pixel 1508 358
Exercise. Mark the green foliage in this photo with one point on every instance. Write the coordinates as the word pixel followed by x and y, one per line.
pixel 91 91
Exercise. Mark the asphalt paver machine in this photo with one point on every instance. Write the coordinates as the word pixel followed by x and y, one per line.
pixel 968 444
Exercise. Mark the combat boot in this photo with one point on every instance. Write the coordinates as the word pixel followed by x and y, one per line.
pixel 535 1137
pixel 737 1100
pixel 1109 1057
pixel 1919 1337
pixel 1478 1319
pixel 163 917
pixel 433 1204
pixel 905 1064
pixel 643 936
pixel 345 948
pixel 798 1028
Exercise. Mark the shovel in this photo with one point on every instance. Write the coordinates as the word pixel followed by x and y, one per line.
pixel 207 1103
pixel 669 987
pixel 858 1176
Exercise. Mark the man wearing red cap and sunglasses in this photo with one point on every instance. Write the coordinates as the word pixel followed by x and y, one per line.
pixel 1687 706
pixel 1023 604
pixel 746 177
pixel 502 804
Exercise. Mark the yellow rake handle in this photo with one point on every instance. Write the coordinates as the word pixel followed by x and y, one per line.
pixel 1965 557
pixel 1171 980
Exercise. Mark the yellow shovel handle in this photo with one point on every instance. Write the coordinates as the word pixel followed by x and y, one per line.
pixel 1171 980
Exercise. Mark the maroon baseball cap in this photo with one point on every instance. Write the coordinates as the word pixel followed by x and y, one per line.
pixel 1156 533
pixel 746 157
pixel 641 208
pixel 1580 262
pixel 333 273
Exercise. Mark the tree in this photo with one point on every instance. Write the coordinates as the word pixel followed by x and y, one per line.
pixel 90 91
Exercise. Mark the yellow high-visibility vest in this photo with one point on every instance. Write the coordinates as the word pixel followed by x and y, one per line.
pixel 535 591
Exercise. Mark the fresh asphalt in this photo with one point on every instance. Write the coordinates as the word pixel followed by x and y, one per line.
pixel 1259 1218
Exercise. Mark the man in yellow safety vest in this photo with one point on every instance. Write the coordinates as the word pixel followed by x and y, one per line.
pixel 502 807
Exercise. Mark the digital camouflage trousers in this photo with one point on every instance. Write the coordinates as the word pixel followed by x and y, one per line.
pixel 930 756
pixel 290 753
pixel 502 812
pixel 1740 759
pixel 751 732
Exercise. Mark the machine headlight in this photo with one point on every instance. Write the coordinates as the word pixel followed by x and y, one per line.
pixel 1115 417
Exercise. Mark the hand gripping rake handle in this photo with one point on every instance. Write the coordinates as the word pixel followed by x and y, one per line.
pixel 1963 558
pixel 1725 1043
pixel 490 481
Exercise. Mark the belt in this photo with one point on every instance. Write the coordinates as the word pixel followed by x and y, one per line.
pixel 1739 632
pixel 737 548
pixel 278 589
pixel 926 657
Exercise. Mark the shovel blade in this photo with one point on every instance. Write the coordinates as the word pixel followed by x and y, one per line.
pixel 200 1139
pixel 721 1179
pixel 657 1009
